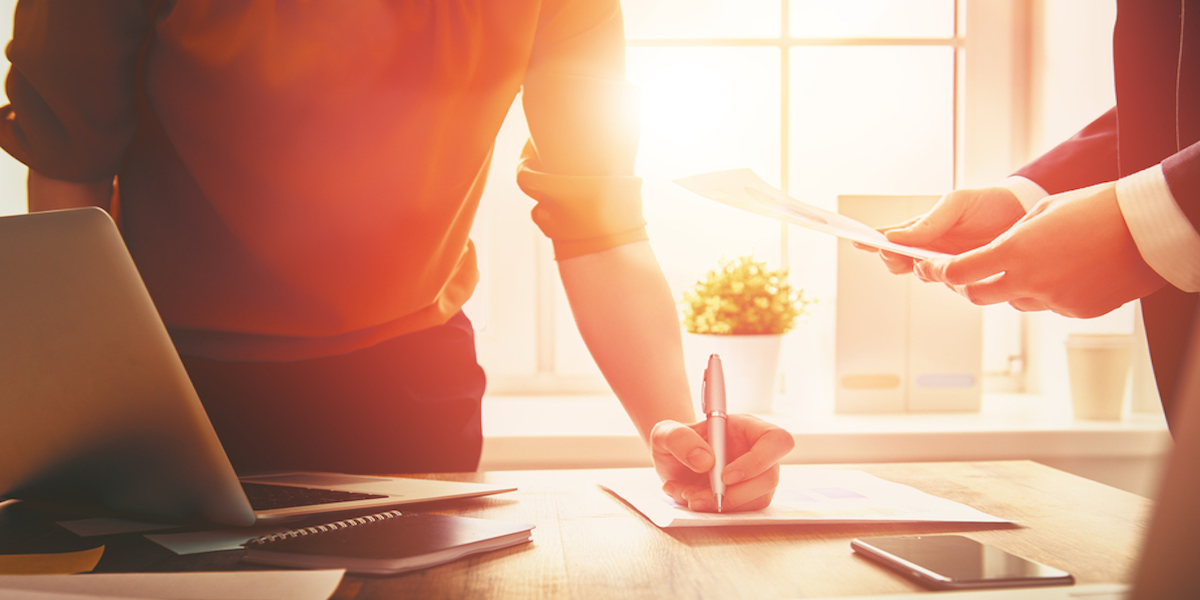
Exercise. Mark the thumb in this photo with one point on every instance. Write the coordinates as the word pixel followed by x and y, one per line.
pixel 684 444
pixel 922 232
pixel 929 227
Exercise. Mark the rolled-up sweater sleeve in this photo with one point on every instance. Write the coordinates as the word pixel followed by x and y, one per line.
pixel 582 214
pixel 71 86
pixel 583 123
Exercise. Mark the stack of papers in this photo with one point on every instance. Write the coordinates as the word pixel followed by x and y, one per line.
pixel 805 496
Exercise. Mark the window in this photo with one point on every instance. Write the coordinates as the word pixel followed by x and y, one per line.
pixel 819 98
pixel 12 172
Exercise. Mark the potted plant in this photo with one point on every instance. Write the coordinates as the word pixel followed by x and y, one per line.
pixel 740 311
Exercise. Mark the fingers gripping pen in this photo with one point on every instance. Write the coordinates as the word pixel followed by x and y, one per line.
pixel 712 403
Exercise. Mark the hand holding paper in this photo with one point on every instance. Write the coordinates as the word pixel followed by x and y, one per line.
pixel 962 220
pixel 742 188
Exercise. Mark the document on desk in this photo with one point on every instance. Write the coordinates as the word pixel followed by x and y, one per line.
pixel 232 585
pixel 804 496
pixel 744 189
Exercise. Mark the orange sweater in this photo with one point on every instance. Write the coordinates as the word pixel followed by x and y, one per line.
pixel 298 179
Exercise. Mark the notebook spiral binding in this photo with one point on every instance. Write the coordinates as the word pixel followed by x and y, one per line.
pixel 296 533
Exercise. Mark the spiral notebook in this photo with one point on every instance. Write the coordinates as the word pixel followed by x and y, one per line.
pixel 386 543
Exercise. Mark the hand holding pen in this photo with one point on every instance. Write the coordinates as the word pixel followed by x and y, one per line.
pixel 686 456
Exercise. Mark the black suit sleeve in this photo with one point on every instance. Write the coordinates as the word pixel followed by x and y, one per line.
pixel 1087 158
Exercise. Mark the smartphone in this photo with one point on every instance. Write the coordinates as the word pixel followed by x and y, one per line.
pixel 955 562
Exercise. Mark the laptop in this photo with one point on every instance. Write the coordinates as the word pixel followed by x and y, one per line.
pixel 97 409
pixel 1169 564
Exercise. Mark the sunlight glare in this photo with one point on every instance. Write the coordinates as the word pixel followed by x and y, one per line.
pixel 705 110
pixel 872 18
pixel 665 19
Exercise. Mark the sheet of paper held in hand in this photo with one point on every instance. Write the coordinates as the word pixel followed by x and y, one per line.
pixel 744 189
pixel 804 496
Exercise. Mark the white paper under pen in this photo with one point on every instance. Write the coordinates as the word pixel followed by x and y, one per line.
pixel 804 496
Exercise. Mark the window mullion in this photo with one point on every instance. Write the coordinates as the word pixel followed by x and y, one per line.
pixel 785 113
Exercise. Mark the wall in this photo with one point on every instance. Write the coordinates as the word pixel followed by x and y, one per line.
pixel 12 173
pixel 1070 55
pixel 1070 84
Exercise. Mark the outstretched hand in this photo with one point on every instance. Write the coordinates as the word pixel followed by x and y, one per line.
pixel 1072 254
pixel 961 220
pixel 683 458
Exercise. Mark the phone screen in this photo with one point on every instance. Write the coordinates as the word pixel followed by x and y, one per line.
pixel 957 562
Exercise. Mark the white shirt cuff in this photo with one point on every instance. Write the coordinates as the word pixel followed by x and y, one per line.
pixel 1164 236
pixel 1027 192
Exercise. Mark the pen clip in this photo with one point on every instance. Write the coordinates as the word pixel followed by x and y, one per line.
pixel 713 392
pixel 704 392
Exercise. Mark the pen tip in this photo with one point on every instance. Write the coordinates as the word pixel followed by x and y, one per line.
pixel 719 499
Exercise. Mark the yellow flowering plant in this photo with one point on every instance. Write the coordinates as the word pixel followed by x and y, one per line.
pixel 743 297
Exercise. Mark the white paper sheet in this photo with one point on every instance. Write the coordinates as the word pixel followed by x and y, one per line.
pixel 110 526
pixel 235 585
pixel 804 496
pixel 213 540
pixel 744 189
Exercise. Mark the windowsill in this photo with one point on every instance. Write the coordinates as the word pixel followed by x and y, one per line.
pixel 594 432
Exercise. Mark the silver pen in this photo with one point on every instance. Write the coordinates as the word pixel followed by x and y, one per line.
pixel 712 403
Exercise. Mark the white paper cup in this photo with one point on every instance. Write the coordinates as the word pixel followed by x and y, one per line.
pixel 1098 366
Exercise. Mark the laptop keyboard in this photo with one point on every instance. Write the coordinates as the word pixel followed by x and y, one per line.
pixel 267 497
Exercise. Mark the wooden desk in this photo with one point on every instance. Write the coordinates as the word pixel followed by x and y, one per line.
pixel 589 545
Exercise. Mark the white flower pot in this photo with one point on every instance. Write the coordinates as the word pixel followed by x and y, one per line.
pixel 750 362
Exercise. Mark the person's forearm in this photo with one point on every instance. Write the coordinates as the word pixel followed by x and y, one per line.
pixel 627 317
pixel 51 194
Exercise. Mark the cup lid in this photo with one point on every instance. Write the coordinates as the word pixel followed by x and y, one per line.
pixel 1099 340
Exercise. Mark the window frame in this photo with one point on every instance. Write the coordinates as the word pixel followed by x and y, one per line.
pixel 518 306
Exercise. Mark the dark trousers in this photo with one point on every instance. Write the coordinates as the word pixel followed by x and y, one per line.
pixel 408 405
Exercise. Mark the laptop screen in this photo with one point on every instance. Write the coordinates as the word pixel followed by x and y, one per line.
pixel 95 405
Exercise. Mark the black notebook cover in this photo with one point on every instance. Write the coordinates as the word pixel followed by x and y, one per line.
pixel 390 542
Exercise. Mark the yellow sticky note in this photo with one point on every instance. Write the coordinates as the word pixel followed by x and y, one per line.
pixel 61 563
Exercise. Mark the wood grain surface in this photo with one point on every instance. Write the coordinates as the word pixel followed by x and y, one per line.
pixel 588 544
